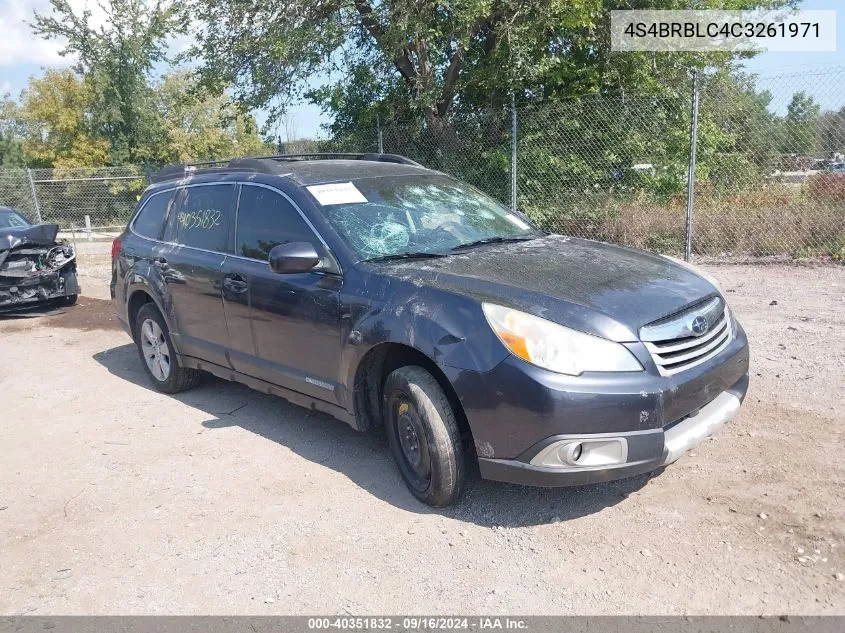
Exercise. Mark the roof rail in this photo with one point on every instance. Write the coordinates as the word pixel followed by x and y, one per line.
pixel 269 164
pixel 183 170
pixel 381 158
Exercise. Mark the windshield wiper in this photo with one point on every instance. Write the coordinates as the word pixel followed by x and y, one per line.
pixel 495 240
pixel 414 255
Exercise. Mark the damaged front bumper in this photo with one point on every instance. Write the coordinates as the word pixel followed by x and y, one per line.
pixel 35 267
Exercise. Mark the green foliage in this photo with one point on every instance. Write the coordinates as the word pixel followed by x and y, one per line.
pixel 115 59
pixel 54 124
pixel 430 60
pixel 439 79
pixel 832 131
pixel 11 147
pixel 801 124
pixel 11 150
pixel 195 125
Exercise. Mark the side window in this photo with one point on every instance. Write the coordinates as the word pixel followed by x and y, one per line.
pixel 265 220
pixel 204 217
pixel 152 216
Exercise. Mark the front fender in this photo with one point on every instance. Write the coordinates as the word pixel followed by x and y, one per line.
pixel 448 329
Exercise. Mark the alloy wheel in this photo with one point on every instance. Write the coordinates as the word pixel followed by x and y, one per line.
pixel 155 349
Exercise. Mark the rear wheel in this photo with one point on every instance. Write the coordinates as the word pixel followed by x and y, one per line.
pixel 156 350
pixel 423 436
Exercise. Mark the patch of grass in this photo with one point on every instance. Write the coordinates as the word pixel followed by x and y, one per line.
pixel 774 220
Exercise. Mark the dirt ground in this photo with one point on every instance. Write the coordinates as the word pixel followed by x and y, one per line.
pixel 115 499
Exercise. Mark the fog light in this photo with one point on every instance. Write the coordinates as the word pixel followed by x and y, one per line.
pixel 586 452
pixel 570 453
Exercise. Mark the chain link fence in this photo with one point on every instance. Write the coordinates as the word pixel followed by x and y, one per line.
pixel 769 176
pixel 769 169
pixel 18 192
pixel 74 197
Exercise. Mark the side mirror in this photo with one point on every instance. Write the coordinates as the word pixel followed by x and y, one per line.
pixel 294 257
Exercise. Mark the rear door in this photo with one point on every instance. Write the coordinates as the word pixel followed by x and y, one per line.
pixel 138 253
pixel 197 239
pixel 295 318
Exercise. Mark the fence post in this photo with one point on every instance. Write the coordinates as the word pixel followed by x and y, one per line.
pixel 380 137
pixel 34 195
pixel 693 137
pixel 88 226
pixel 513 152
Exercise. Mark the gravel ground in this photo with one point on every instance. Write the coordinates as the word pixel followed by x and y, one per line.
pixel 115 499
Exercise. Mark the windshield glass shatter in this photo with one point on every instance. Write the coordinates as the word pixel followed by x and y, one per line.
pixel 432 214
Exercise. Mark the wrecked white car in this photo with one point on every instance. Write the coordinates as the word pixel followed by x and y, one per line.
pixel 35 267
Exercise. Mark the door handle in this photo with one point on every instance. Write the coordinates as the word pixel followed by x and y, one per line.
pixel 235 283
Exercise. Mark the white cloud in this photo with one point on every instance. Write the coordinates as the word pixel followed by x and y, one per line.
pixel 19 45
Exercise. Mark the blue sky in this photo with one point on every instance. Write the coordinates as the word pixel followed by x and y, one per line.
pixel 22 55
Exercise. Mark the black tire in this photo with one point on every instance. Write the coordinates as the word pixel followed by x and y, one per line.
pixel 68 300
pixel 418 413
pixel 177 378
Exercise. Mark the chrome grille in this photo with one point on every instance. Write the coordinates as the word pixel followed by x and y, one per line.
pixel 674 345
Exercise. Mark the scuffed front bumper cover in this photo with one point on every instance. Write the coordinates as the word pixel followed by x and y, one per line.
pixel 31 291
pixel 646 450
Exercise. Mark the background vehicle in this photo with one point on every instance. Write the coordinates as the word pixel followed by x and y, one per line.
pixel 35 267
pixel 381 292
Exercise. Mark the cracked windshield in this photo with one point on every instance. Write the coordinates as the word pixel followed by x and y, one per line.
pixel 400 217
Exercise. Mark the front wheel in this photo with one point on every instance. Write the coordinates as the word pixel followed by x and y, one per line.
pixel 424 436
pixel 156 350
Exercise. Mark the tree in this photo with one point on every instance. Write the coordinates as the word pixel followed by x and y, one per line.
pixel 802 115
pixel 199 126
pixel 116 60
pixel 11 147
pixel 431 59
pixel 739 138
pixel 53 124
pixel 11 151
pixel 54 114
pixel 832 132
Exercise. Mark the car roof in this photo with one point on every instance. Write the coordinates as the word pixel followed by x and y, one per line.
pixel 303 169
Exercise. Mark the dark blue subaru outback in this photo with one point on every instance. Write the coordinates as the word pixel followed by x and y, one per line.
pixel 387 294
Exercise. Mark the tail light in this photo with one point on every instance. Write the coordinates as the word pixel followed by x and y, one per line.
pixel 115 247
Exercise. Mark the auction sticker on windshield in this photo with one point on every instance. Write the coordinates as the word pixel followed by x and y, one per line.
pixel 336 193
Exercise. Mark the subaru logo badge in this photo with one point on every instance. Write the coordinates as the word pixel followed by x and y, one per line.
pixel 699 325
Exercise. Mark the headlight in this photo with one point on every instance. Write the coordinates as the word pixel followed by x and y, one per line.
pixel 554 347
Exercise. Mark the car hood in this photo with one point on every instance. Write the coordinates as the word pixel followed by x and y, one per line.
pixel 36 234
pixel 607 290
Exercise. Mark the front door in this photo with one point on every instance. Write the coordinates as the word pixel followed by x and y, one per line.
pixel 295 318
pixel 191 264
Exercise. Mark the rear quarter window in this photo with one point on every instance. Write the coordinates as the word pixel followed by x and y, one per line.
pixel 150 220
